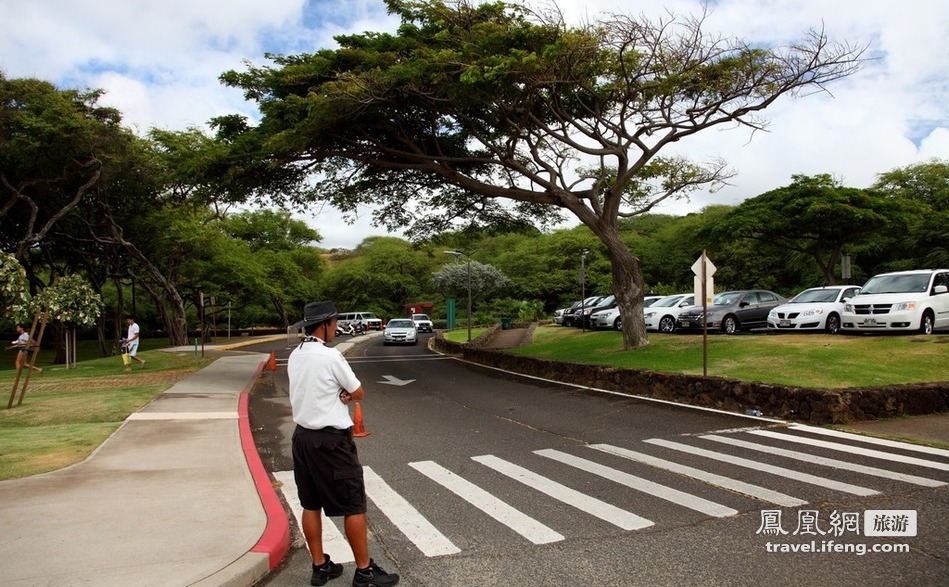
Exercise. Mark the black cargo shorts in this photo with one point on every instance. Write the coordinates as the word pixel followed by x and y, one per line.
pixel 327 471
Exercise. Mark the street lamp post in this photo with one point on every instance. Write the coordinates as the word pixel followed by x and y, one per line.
pixel 468 257
pixel 583 287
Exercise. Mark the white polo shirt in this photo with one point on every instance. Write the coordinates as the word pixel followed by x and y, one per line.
pixel 317 376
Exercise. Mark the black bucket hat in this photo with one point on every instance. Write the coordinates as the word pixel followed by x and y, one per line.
pixel 316 313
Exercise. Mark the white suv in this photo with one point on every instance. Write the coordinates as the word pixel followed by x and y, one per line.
pixel 900 301
pixel 423 323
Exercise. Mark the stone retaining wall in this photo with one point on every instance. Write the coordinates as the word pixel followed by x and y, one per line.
pixel 814 406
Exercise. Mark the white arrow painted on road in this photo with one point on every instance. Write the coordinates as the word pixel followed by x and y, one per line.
pixel 390 380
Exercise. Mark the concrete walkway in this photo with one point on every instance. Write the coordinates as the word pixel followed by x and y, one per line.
pixel 168 499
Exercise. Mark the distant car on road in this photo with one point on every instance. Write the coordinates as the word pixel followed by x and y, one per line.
pixel 732 311
pixel 817 309
pixel 423 323
pixel 400 331
pixel 367 320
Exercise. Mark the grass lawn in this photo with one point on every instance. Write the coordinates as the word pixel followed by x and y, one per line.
pixel 66 414
pixel 805 360
pixel 461 334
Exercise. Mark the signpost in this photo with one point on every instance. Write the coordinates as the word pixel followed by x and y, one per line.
pixel 705 291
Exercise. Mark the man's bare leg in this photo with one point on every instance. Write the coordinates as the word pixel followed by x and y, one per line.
pixel 355 526
pixel 313 532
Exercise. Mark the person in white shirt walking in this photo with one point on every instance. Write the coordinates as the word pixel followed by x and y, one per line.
pixel 131 341
pixel 326 466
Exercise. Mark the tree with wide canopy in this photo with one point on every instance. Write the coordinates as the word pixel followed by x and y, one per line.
pixel 493 113
pixel 816 217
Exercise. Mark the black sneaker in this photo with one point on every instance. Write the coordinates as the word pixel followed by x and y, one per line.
pixel 329 570
pixel 373 576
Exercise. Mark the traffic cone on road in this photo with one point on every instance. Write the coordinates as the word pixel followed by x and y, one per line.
pixel 359 429
pixel 272 364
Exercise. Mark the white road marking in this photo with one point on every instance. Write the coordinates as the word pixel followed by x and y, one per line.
pixel 711 478
pixel 872 440
pixel 514 519
pixel 334 543
pixel 675 496
pixel 876 454
pixel 818 460
pixel 406 518
pixel 765 468
pixel 586 503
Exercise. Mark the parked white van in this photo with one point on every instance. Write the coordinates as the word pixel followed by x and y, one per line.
pixel 900 301
pixel 367 320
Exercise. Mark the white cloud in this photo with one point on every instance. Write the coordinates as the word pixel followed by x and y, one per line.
pixel 159 62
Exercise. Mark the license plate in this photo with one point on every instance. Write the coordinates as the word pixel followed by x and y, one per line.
pixel 785 323
pixel 870 321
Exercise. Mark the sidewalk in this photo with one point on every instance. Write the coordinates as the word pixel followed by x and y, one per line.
pixel 168 499
pixel 178 495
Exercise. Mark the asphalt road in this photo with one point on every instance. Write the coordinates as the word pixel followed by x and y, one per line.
pixel 485 478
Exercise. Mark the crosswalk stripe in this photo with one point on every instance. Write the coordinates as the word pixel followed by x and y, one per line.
pixel 333 541
pixel 876 454
pixel 406 518
pixel 521 523
pixel 675 496
pixel 931 450
pixel 766 468
pixel 818 460
pixel 549 487
pixel 735 485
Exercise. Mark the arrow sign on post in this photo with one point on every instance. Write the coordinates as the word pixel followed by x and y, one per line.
pixel 709 282
pixel 390 380
pixel 704 292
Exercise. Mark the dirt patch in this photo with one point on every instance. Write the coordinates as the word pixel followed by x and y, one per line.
pixel 137 378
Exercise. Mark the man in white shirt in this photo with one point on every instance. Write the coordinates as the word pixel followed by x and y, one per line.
pixel 131 341
pixel 326 465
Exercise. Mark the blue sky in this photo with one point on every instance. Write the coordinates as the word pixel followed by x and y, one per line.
pixel 159 62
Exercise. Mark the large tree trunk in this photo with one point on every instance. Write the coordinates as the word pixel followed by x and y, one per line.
pixel 627 287
pixel 281 310
pixel 176 322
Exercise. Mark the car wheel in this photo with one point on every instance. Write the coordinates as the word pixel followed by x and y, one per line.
pixel 730 325
pixel 833 324
pixel 667 324
pixel 618 324
pixel 926 325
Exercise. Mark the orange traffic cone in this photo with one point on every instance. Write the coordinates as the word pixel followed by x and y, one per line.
pixel 272 365
pixel 359 429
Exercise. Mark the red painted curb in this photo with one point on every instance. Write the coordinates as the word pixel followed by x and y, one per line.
pixel 275 540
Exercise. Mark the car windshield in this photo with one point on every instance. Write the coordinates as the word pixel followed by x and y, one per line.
pixel 400 324
pixel 667 302
pixel 883 284
pixel 369 316
pixel 420 317
pixel 605 301
pixel 727 299
pixel 819 295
